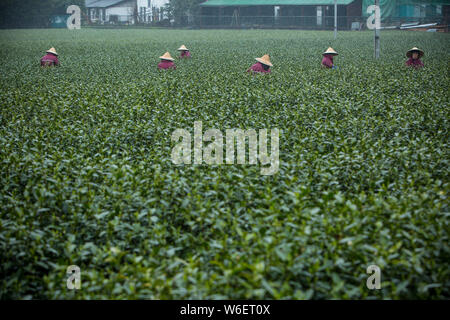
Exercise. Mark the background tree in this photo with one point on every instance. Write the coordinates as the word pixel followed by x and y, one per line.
pixel 32 13
pixel 180 9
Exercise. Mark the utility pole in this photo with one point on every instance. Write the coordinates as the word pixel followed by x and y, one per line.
pixel 335 19
pixel 377 29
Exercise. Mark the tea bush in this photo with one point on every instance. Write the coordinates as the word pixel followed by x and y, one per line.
pixel 87 179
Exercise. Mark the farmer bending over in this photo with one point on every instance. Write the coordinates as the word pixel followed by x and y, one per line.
pixel 166 62
pixel 262 66
pixel 184 52
pixel 414 56
pixel 327 61
pixel 50 59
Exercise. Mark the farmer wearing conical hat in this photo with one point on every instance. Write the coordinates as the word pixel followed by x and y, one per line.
pixel 262 66
pixel 50 59
pixel 328 56
pixel 184 52
pixel 166 62
pixel 414 56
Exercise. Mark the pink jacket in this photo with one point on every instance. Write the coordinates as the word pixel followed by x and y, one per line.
pixel 165 64
pixel 327 61
pixel 49 60
pixel 185 54
pixel 258 67
pixel 417 63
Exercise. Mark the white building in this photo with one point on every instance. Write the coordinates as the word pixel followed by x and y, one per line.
pixel 124 11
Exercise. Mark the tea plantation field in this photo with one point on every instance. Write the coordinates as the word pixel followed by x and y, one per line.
pixel 86 176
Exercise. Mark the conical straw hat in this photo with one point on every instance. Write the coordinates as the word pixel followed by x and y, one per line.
pixel 167 56
pixel 265 59
pixel 410 52
pixel 330 50
pixel 183 48
pixel 52 50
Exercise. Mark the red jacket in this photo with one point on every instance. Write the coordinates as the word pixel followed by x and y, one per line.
pixel 165 64
pixel 258 67
pixel 417 63
pixel 49 60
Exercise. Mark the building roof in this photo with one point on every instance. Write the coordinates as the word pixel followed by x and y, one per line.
pixel 226 3
pixel 101 3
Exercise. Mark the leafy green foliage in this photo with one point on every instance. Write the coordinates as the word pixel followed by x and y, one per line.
pixel 86 176
pixel 178 9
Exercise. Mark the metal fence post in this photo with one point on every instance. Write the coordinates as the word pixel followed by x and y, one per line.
pixel 377 30
pixel 335 19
